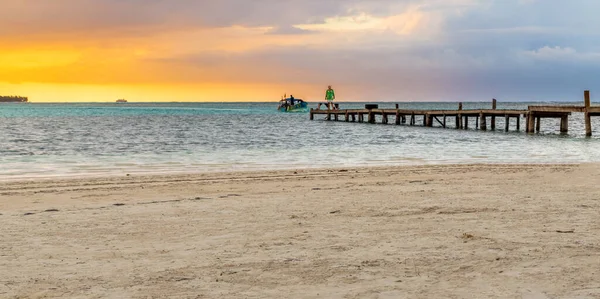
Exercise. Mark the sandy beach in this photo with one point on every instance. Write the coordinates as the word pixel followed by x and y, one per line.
pixel 471 231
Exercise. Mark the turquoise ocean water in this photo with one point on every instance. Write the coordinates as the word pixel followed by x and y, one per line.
pixel 48 140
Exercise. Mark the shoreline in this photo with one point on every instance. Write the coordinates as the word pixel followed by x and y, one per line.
pixel 55 186
pixel 175 173
pixel 452 231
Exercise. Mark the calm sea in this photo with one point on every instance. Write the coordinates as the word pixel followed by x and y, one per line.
pixel 47 140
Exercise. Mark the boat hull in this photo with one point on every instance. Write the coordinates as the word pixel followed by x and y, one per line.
pixel 297 108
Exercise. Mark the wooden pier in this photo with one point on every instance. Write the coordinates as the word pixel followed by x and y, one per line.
pixel 461 117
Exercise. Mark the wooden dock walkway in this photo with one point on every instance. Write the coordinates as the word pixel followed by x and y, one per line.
pixel 461 117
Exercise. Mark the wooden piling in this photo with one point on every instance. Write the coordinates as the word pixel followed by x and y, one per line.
pixel 518 123
pixel 588 120
pixel 347 115
pixel 459 119
pixel 444 124
pixel 506 123
pixel 384 119
pixel 530 122
pixel 412 119
pixel 482 120
pixel 538 120
pixel 564 124
pixel 466 127
pixel 398 117
pixel 493 125
pixel 312 116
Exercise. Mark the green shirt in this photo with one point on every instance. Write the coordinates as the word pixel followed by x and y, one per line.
pixel 330 95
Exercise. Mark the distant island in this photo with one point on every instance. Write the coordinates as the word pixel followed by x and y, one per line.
pixel 13 99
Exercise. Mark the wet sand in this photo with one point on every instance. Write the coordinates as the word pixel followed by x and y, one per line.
pixel 472 231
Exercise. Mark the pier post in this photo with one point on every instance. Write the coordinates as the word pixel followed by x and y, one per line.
pixel 466 123
pixel 384 118
pixel 476 123
pixel 564 124
pixel 506 123
pixel 482 120
pixel 336 117
pixel 403 119
pixel 444 125
pixel 538 120
pixel 530 123
pixel 312 116
pixel 398 117
pixel 371 119
pixel 412 119
pixel 519 123
pixel 360 117
pixel 347 116
pixel 459 120
pixel 353 117
pixel 493 117
pixel 588 120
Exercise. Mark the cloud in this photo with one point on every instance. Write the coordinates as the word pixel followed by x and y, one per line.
pixel 551 53
pixel 288 30
pixel 415 49
pixel 562 54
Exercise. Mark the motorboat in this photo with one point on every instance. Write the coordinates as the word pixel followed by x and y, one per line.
pixel 292 104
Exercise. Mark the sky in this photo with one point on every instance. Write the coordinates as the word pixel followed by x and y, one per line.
pixel 258 50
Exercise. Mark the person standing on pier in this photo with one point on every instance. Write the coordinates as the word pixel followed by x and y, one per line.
pixel 329 97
